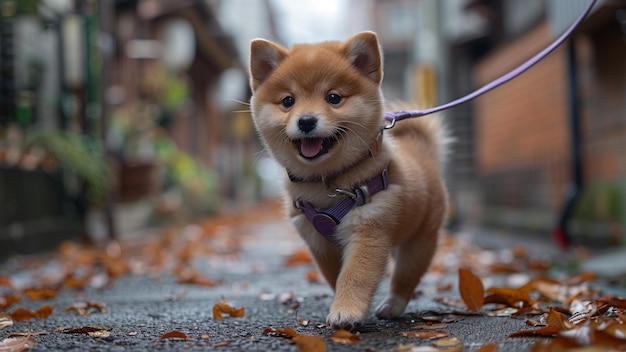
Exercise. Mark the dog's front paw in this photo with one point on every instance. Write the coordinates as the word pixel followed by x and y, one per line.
pixel 391 308
pixel 344 320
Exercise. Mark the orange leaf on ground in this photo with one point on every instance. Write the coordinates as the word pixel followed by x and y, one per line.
pixel 22 314
pixel 310 343
pixel 224 307
pixel 71 281
pixel 36 294
pixel 192 277
pixel 431 335
pixel 509 296
pixel 471 289
pixel 8 300
pixel 447 342
pixel 430 326
pixel 44 311
pixel 313 277
pixel 86 308
pixel 82 330
pixel 490 347
pixel 280 332
pixel 345 337
pixel 302 256
pixel 174 335
pixel 6 281
pixel 546 331
pixel 532 284
pixel 584 276
pixel 556 320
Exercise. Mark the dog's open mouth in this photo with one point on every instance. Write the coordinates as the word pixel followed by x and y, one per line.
pixel 312 148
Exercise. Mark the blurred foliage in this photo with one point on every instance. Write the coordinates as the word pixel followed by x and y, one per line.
pixel 602 201
pixel 601 210
pixel 77 155
pixel 130 133
pixel 196 182
pixel 168 89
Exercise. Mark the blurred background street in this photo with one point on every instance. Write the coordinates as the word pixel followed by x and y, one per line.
pixel 121 119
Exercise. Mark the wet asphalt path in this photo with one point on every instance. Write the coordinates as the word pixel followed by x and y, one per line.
pixel 142 308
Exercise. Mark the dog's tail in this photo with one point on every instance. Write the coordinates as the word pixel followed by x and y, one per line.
pixel 429 128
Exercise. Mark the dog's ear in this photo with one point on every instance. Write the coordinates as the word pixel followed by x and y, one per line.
pixel 363 51
pixel 264 58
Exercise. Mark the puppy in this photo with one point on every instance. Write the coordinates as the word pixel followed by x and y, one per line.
pixel 354 196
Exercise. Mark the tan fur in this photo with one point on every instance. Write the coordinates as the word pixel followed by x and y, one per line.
pixel 403 220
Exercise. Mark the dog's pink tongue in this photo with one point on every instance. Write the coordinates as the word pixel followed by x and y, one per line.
pixel 310 147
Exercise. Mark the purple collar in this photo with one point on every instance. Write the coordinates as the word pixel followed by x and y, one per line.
pixel 326 220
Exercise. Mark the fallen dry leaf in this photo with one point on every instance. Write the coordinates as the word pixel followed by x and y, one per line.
pixel 490 347
pixel 44 311
pixel 6 281
pixel 471 289
pixel 547 331
pixel 430 326
pixel 99 333
pixel 435 317
pixel 5 321
pixel 174 335
pixel 83 330
pixel 22 314
pixel 71 281
pixel 17 344
pixel 447 342
pixel 88 307
pixel 431 335
pixel 280 332
pixel 29 333
pixel 193 277
pixel 344 337
pixel 313 276
pixel 512 297
pixel 224 307
pixel 35 294
pixel 300 257
pixel 578 279
pixel 222 344
pixel 8 300
pixel 556 320
pixel 310 343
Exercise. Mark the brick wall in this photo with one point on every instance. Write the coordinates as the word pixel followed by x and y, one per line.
pixel 522 141
pixel 602 62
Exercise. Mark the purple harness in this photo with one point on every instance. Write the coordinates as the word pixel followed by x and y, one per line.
pixel 326 220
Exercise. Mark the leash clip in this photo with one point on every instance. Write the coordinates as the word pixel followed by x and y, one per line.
pixel 390 125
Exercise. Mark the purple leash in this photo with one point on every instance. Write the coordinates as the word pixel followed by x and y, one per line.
pixel 401 115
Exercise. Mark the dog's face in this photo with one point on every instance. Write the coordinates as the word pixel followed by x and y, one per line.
pixel 317 107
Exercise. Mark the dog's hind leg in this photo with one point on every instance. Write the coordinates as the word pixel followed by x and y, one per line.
pixel 412 259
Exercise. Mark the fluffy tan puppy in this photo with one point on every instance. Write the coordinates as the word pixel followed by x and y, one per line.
pixel 319 110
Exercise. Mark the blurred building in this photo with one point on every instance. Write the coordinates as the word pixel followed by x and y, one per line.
pixel 543 153
pixel 162 83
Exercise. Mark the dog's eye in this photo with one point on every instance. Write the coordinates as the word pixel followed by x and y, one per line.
pixel 288 101
pixel 333 98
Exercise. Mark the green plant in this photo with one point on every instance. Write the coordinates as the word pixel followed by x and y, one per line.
pixel 197 183
pixel 75 154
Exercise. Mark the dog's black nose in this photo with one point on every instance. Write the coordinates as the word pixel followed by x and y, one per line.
pixel 307 123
